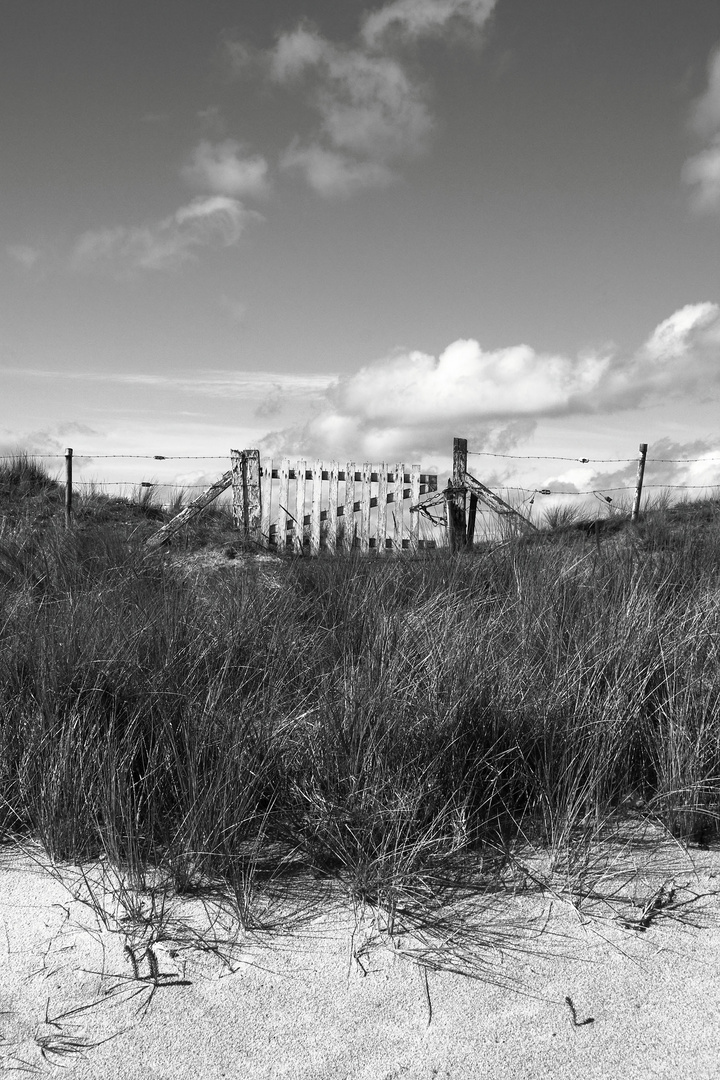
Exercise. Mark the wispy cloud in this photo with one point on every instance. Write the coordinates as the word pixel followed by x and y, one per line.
pixel 165 244
pixel 420 18
pixel 701 172
pixel 413 400
pixel 259 384
pixel 24 255
pixel 705 114
pixel 333 173
pixel 222 169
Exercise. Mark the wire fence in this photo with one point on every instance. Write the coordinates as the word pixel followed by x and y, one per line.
pixel 525 494
pixel 528 494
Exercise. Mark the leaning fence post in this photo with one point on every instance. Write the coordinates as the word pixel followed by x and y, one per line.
pixel 639 481
pixel 455 496
pixel 68 486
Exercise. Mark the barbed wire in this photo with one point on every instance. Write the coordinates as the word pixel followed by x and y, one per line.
pixel 548 457
pixel 135 483
pixel 583 460
pixel 143 457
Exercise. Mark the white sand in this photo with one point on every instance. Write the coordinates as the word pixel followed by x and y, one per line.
pixel 301 1005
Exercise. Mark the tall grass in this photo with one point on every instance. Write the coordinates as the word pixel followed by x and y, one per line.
pixel 384 721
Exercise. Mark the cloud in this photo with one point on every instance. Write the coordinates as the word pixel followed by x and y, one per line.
pixel 240 384
pixel 419 18
pixel 334 174
pixel 705 115
pixel 701 172
pixel 43 442
pixel 23 254
pixel 166 244
pixel 220 168
pixel 412 401
pixel 669 463
pixel 371 113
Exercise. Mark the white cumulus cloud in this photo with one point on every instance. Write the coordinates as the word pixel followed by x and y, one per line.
pixel 413 401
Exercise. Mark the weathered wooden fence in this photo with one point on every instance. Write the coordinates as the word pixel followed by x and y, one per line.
pixel 298 506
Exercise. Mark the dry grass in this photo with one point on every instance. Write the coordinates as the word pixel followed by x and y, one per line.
pixel 427 734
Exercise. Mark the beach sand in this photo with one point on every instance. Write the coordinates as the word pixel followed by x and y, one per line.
pixel 333 996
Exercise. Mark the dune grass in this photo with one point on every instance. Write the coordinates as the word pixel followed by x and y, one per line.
pixel 410 728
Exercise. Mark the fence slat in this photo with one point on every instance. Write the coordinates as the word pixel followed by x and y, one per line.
pixel 365 495
pixel 332 514
pixel 267 487
pixel 349 507
pixel 315 506
pixel 382 492
pixel 414 500
pixel 283 507
pixel 398 507
pixel 300 481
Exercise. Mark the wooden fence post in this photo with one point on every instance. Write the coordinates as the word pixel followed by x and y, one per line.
pixel 68 487
pixel 247 493
pixel 455 497
pixel 252 490
pixel 238 490
pixel 639 481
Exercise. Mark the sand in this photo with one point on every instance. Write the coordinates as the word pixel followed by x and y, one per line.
pixel 334 997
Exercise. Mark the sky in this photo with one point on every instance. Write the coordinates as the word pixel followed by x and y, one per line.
pixel 354 231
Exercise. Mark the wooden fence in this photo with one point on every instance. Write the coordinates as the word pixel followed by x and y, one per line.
pixel 294 506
